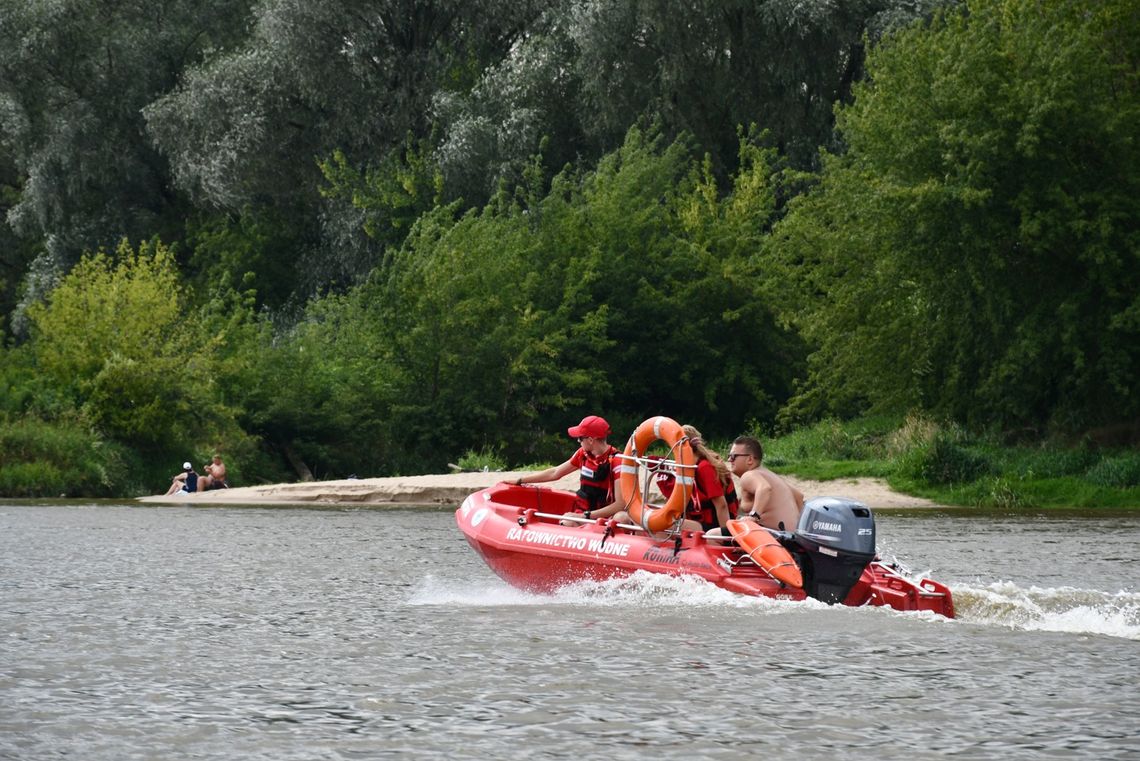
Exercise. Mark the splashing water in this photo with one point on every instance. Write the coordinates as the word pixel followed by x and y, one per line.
pixel 1061 609
pixel 639 590
pixel 1004 604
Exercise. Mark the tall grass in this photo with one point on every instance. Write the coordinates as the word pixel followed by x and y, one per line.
pixel 944 462
pixel 41 459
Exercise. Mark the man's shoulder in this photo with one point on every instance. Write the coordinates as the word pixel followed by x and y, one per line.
pixel 775 479
pixel 765 477
pixel 751 476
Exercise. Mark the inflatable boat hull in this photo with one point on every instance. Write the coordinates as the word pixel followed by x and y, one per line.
pixel 516 530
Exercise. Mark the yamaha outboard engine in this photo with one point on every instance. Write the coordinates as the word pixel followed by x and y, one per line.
pixel 836 541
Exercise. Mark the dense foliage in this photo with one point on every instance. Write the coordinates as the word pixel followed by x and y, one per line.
pixel 975 251
pixel 368 236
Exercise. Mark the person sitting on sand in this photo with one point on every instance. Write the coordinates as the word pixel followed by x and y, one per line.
pixel 185 482
pixel 215 477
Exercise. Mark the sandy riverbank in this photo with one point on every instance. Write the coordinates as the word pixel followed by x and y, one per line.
pixel 452 488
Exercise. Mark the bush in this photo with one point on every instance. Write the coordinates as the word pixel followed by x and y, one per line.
pixel 485 459
pixel 915 432
pixel 1002 493
pixel 1056 463
pixel 41 459
pixel 942 461
pixel 826 440
pixel 837 443
pixel 1119 472
pixel 32 479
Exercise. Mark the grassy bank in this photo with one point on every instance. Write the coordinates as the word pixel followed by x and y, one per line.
pixel 953 467
pixel 941 462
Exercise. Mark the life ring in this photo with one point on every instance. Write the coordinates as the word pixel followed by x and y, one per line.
pixel 665 429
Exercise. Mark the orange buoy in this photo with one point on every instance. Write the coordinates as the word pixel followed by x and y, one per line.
pixel 767 552
pixel 665 429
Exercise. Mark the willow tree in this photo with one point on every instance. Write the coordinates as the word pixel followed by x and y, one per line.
pixel 588 70
pixel 975 251
pixel 245 129
pixel 74 78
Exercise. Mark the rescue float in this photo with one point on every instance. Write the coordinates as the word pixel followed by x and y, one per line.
pixel 532 538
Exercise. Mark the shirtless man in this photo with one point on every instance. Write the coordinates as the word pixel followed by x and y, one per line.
pixel 215 477
pixel 764 496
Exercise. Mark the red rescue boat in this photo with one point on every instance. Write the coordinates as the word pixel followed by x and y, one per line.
pixel 518 532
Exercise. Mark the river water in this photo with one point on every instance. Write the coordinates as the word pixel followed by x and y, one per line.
pixel 131 632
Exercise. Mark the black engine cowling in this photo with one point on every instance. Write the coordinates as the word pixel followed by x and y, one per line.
pixel 834 542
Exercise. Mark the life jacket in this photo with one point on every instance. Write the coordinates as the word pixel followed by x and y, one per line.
pixel 663 477
pixel 597 479
pixel 702 509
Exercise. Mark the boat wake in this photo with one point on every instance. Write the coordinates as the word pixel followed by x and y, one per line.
pixel 654 590
pixel 1061 609
pixel 641 590
pixel 1005 604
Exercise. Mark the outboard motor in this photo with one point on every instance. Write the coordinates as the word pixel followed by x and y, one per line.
pixel 836 540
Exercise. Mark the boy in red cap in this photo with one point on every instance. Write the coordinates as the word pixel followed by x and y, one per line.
pixel 597 463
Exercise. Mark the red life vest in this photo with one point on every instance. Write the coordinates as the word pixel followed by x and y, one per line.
pixel 597 475
pixel 663 477
pixel 703 510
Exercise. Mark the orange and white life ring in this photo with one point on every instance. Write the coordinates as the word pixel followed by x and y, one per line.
pixel 665 429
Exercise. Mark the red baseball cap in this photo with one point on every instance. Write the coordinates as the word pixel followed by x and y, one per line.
pixel 592 426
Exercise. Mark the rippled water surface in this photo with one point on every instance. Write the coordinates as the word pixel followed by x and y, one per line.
pixel 133 632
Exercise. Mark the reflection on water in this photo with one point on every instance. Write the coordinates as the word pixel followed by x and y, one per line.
pixel 178 632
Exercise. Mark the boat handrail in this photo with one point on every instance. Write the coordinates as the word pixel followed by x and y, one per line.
pixel 888 570
pixel 579 518
pixel 654 463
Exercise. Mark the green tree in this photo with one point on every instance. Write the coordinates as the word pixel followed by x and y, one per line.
pixel 116 341
pixel 975 251
pixel 391 195
pixel 483 346
pixel 627 290
pixel 587 71
pixel 253 251
pixel 74 77
pixel 653 242
pixel 247 128
pixel 316 393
